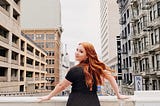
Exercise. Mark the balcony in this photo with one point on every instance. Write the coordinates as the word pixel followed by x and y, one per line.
pixel 155 47
pixel 134 18
pixel 14 62
pixel 4 59
pixel 29 79
pixel 30 66
pixel 135 37
pixel 29 52
pixel 149 2
pixel 14 78
pixel 37 67
pixel 123 36
pixel 4 10
pixel 15 45
pixel 3 78
pixel 140 98
pixel 122 21
pixel 154 23
pixel 3 39
pixel 36 78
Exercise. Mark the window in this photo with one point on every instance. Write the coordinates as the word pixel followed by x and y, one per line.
pixel 143 47
pixel 130 76
pixel 15 14
pixel 158 61
pixel 50 61
pixel 31 36
pixel 14 39
pixel 126 45
pixel 145 42
pixel 144 21
pixel 125 31
pixel 14 55
pixel 3 71
pixel 138 27
pixel 40 44
pixel 127 61
pixel 124 63
pixel 4 32
pixel 156 36
pixel 128 28
pixel 124 17
pixel 152 39
pixel 158 8
pixel 49 44
pixel 154 11
pixel 150 15
pixel 129 44
pixel 39 37
pixel 139 46
pixel 50 36
pixel 50 53
pixel 141 23
pixel 154 14
pixel 128 13
pixel 4 4
pixel 130 61
pixel 153 64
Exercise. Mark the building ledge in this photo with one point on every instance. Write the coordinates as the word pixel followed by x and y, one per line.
pixel 141 98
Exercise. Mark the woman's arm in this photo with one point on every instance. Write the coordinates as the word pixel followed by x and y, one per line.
pixel 59 87
pixel 114 85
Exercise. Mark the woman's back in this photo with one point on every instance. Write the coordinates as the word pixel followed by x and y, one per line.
pixel 80 93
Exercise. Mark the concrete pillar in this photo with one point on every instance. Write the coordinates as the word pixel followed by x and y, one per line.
pixel 34 74
pixel 19 59
pixel 18 75
pixel 9 74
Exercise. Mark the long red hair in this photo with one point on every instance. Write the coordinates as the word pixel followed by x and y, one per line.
pixel 92 66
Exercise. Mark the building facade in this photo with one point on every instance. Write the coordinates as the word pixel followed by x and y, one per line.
pixel 140 43
pixel 49 40
pixel 41 21
pixel 22 63
pixel 110 28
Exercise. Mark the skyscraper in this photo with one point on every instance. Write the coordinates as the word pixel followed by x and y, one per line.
pixel 110 28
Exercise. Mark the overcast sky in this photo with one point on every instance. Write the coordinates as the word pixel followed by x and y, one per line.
pixel 80 21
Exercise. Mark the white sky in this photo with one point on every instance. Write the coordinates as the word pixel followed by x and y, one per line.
pixel 80 21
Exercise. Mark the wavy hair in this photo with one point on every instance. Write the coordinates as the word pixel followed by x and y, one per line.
pixel 92 67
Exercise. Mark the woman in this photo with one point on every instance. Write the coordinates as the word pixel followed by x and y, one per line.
pixel 84 78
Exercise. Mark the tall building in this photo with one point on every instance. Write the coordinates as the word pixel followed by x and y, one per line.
pixel 41 21
pixel 110 28
pixel 140 43
pixel 22 63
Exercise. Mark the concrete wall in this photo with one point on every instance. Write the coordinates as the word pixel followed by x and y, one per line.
pixel 141 98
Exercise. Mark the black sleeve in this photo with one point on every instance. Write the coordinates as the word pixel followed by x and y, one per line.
pixel 70 75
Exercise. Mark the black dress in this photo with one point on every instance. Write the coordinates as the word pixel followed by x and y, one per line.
pixel 80 94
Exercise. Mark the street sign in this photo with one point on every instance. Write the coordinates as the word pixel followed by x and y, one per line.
pixel 138 82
